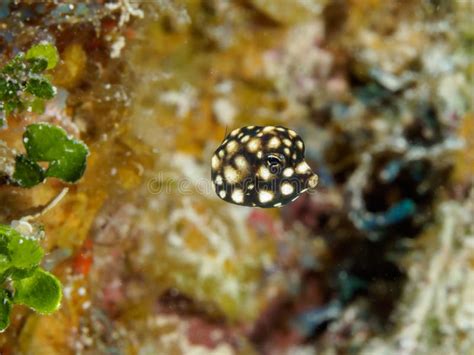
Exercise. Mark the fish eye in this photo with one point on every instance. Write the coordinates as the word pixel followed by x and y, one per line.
pixel 274 162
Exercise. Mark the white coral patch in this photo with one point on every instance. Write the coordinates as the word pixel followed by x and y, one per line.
pixel 224 111
pixel 235 132
pixel 184 100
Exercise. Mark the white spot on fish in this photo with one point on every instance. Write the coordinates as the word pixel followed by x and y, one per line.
pixel 241 162
pixel 264 173
pixel 215 162
pixel 265 196
pixel 235 132
pixel 288 172
pixel 253 145
pixel 302 168
pixel 274 142
pixel 231 147
pixel 237 196
pixel 231 175
pixel 287 189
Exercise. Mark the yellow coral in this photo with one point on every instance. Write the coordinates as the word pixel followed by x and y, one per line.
pixel 464 162
pixel 71 69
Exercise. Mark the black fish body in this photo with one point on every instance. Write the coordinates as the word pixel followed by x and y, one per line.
pixel 261 167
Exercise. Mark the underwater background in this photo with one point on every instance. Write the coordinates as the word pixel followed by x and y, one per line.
pixel 379 259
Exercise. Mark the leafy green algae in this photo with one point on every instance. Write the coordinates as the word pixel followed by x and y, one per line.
pixel 23 280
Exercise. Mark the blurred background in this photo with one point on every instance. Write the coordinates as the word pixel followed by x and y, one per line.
pixel 378 260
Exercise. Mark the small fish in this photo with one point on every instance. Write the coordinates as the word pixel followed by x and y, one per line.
pixel 261 167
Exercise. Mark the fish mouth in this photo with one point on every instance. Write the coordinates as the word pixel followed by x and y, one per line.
pixel 309 183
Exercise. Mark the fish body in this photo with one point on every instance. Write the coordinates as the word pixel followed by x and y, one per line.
pixel 259 166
